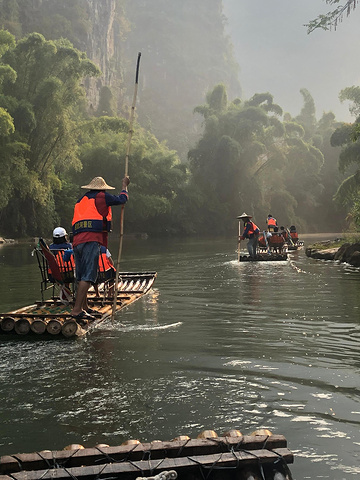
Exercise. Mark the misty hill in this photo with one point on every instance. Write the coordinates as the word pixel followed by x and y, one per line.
pixel 185 53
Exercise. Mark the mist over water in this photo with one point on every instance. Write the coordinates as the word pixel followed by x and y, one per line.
pixel 215 345
pixel 276 54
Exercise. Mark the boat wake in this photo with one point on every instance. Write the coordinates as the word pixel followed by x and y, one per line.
pixel 143 328
pixel 295 267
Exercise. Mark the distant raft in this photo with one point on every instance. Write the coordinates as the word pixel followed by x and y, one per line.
pixel 259 456
pixel 265 257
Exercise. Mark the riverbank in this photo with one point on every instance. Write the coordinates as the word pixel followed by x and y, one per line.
pixel 338 249
pixel 7 240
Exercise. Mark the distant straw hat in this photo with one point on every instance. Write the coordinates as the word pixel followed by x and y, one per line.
pixel 98 183
pixel 244 215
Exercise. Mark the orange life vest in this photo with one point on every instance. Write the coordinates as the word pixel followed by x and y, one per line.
pixel 63 266
pixel 87 217
pixel 253 228
pixel 276 240
pixel 104 263
pixel 271 222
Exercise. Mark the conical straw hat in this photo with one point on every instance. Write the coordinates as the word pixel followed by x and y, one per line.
pixel 244 215
pixel 98 183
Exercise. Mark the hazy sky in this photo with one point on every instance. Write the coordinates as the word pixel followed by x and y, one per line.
pixel 276 54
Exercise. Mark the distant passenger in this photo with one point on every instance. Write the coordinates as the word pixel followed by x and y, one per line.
pixel 294 235
pixel 271 223
pixel 283 232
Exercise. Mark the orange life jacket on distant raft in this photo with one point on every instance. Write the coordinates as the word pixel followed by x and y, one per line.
pixel 253 228
pixel 276 240
pixel 87 217
pixel 271 222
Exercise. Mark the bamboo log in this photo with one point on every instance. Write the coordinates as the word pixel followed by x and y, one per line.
pixel 38 326
pixel 54 327
pixel 69 328
pixel 22 326
pixel 8 324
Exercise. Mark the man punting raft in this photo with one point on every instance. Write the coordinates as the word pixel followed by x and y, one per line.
pixel 96 293
pixel 91 225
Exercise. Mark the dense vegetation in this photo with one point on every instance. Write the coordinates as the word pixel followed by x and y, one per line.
pixel 252 157
pixel 49 144
pixel 226 156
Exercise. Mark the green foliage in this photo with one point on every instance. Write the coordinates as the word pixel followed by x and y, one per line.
pixel 348 191
pixel 333 17
pixel 254 161
pixel 7 41
pixel 157 176
pixel 307 115
pixel 6 123
pixel 41 92
pixel 354 214
pixel 353 95
pixel 106 105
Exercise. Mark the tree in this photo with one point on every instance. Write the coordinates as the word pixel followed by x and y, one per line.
pixel 332 18
pixel 41 91
pixel 347 137
pixel 238 140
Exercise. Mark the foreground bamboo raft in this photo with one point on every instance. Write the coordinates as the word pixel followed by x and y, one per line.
pixel 53 318
pixel 259 456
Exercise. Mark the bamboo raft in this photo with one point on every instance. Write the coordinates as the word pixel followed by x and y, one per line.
pixel 265 257
pixel 52 317
pixel 260 455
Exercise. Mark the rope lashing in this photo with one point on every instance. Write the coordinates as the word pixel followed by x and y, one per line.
pixel 49 465
pixel 108 458
pixel 156 466
pixel 165 475
pixel 182 448
pixel 285 466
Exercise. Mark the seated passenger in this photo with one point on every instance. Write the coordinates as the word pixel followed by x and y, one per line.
pixel 58 247
pixel 271 223
pixel 107 270
pixel 277 242
pixel 293 234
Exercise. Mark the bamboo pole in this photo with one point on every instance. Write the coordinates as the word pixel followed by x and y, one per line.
pixel 130 132
pixel 239 234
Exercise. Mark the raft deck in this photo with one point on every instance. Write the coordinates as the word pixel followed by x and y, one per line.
pixel 53 318
pixel 218 458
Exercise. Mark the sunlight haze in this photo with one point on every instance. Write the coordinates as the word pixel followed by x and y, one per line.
pixel 276 54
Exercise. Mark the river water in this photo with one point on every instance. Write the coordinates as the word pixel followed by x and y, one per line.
pixel 216 345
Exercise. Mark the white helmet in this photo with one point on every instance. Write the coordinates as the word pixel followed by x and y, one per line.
pixel 59 232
